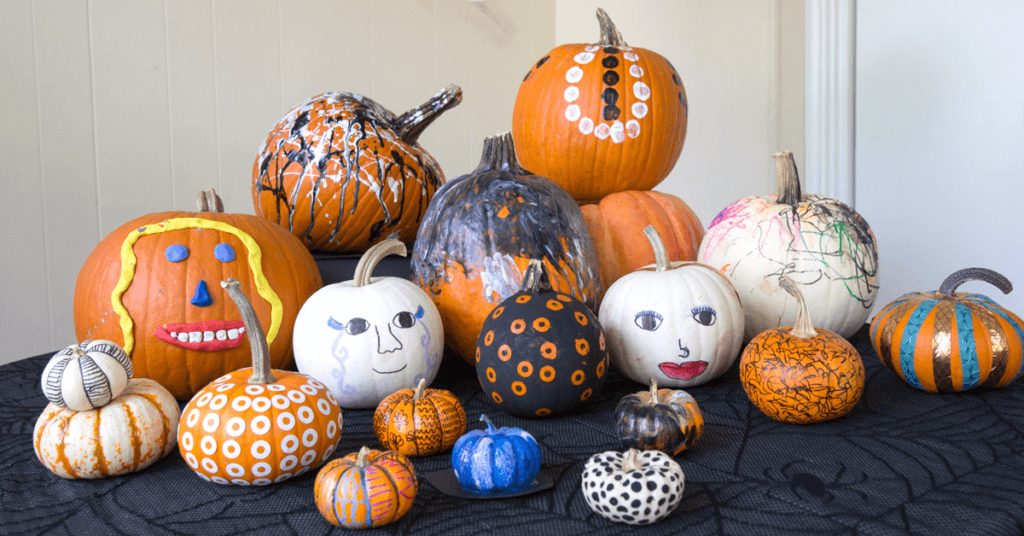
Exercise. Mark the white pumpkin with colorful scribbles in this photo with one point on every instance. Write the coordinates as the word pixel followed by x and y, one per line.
pixel 823 245
pixel 368 338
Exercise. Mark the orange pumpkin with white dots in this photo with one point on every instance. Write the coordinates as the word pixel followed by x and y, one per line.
pixel 150 287
pixel 419 422
pixel 258 426
pixel 602 118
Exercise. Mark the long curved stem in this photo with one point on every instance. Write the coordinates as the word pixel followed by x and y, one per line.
pixel 658 245
pixel 418 394
pixel 261 372
pixel 802 328
pixel 411 124
pixel 610 35
pixel 787 178
pixel 960 277
pixel 373 256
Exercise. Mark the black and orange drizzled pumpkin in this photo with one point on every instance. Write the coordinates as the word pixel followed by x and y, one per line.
pixel 540 352
pixel 342 173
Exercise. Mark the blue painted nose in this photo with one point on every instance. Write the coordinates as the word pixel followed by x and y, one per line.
pixel 202 296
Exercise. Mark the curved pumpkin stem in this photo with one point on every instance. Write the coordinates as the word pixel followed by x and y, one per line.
pixel 363 458
pixel 499 155
pixel 373 256
pixel 609 33
pixel 411 124
pixel 535 278
pixel 802 328
pixel 209 201
pixel 960 277
pixel 418 394
pixel 261 372
pixel 787 179
pixel 658 245
pixel 631 461
pixel 486 419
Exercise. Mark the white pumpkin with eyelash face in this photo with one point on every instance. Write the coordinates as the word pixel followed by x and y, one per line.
pixel 680 323
pixel 368 338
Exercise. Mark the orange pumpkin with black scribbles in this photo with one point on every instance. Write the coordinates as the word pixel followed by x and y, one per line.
pixel 420 422
pixel 801 374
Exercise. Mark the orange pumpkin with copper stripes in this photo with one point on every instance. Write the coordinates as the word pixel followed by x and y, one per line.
pixel 366 489
pixel 127 434
pixel 947 341
pixel 419 422
pixel 601 118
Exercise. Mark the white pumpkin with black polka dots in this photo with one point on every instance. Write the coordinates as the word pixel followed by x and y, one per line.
pixel 635 487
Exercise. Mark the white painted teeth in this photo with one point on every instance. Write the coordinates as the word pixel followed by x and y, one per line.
pixel 174 334
pixel 183 337
pixel 222 335
pixel 207 336
pixel 241 330
pixel 195 336
pixel 232 333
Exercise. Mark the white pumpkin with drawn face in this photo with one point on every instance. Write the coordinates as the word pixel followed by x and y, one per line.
pixel 679 323
pixel 368 338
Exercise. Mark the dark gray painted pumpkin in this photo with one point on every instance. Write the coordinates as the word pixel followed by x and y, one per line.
pixel 664 419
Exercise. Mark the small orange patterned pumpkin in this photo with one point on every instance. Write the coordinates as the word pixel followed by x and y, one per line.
pixel 257 426
pixel 366 489
pixel 801 374
pixel 420 422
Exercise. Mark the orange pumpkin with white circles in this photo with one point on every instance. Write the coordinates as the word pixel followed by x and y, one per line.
pixel 599 119
pixel 257 426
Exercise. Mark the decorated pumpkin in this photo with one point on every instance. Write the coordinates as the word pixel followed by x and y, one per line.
pixel 420 422
pixel 678 322
pixel 367 489
pixel 661 419
pixel 87 375
pixel 540 352
pixel 617 224
pixel 496 461
pixel 634 487
pixel 127 434
pixel 369 337
pixel 948 341
pixel 801 374
pixel 480 232
pixel 601 118
pixel 256 426
pixel 823 245
pixel 151 287
pixel 342 173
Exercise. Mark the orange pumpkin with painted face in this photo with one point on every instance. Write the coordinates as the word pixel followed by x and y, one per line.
pixel 151 287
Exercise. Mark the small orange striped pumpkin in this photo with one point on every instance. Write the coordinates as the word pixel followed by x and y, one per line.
pixel 366 489
pixel 139 427
pixel 947 341
pixel 420 422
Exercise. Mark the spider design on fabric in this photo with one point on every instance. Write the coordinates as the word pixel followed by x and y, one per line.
pixel 808 486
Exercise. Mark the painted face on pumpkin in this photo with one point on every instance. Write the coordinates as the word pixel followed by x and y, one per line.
pixel 673 336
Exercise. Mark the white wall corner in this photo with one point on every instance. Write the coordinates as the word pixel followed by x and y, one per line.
pixel 829 114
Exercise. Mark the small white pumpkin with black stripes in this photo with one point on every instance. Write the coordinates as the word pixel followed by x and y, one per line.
pixel 87 375
pixel 635 487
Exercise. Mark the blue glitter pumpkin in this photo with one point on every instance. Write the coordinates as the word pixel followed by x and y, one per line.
pixel 496 460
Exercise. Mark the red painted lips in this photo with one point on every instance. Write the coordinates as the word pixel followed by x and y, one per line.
pixel 684 371
pixel 221 339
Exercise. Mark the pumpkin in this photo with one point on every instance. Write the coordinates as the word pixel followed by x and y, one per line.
pixel 679 322
pixel 540 352
pixel 602 118
pixel 821 244
pixel 496 461
pixel 127 434
pixel 635 487
pixel 420 422
pixel 616 225
pixel 801 374
pixel 664 419
pixel 947 341
pixel 149 287
pixel 480 232
pixel 342 173
pixel 367 489
pixel 256 425
pixel 87 375
pixel 367 338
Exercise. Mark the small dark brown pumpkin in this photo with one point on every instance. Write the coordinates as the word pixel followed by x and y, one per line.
pixel 663 419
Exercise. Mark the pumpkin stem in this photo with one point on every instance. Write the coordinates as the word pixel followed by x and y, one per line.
pixel 261 372
pixel 486 419
pixel 500 155
pixel 960 277
pixel 373 256
pixel 363 458
pixel 802 328
pixel 77 351
pixel 609 33
pixel 631 461
pixel 654 392
pixel 418 394
pixel 787 179
pixel 411 124
pixel 535 278
pixel 209 201
pixel 658 245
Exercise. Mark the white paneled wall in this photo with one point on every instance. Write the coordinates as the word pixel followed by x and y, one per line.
pixel 112 109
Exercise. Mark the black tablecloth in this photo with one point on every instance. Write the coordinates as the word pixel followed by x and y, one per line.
pixel 902 461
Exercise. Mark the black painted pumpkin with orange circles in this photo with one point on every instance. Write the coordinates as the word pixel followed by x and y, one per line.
pixel 540 352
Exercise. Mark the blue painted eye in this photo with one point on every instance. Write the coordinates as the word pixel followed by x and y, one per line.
pixel 648 320
pixel 224 252
pixel 704 314
pixel 176 253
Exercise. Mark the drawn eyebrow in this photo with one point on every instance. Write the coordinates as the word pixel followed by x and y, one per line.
pixel 419 311
pixel 334 324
